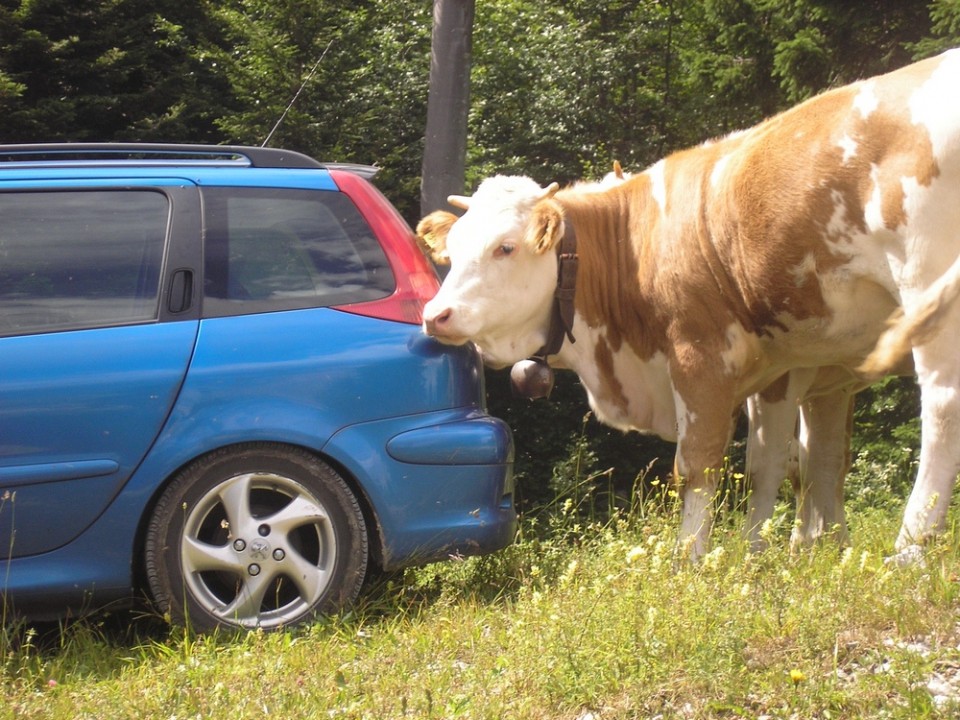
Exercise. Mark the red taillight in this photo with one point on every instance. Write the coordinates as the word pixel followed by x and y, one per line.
pixel 417 281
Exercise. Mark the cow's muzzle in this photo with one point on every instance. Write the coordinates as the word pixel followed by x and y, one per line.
pixel 438 325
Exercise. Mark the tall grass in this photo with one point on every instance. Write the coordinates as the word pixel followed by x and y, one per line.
pixel 588 615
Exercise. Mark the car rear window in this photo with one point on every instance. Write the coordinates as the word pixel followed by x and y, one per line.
pixel 80 259
pixel 283 249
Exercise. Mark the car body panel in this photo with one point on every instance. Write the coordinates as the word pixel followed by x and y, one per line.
pixel 299 376
pixel 78 412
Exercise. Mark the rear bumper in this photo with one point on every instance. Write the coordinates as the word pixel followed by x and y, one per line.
pixel 443 488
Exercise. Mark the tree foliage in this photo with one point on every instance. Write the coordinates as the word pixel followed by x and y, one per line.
pixel 106 70
pixel 348 79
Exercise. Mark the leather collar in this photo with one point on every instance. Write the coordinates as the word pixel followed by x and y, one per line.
pixel 561 317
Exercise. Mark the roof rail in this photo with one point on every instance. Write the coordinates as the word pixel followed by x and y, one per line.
pixel 253 156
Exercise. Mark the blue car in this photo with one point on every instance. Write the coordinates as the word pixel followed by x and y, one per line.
pixel 214 388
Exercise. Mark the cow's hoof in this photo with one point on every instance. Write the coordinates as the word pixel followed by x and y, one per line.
pixel 909 556
pixel 531 379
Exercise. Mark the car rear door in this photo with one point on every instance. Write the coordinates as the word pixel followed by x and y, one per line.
pixel 98 320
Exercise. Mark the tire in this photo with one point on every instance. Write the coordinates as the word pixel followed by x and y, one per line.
pixel 255 536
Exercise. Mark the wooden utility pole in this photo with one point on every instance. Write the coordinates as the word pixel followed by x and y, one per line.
pixel 448 102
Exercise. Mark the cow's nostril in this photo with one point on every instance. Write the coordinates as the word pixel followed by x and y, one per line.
pixel 434 323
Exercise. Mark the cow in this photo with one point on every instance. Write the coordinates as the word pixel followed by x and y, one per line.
pixel 800 429
pixel 823 243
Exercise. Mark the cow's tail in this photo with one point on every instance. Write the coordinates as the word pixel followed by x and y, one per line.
pixel 906 330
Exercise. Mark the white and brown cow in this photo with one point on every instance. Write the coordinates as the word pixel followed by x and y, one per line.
pixel 800 429
pixel 708 277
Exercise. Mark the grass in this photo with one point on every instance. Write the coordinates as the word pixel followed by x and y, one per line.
pixel 581 619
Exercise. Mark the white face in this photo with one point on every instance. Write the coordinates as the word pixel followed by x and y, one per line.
pixel 500 287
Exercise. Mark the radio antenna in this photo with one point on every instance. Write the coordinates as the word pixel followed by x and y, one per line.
pixel 297 93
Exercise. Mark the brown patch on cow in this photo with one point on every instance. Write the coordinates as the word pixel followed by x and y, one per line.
pixel 899 148
pixel 802 187
pixel 769 222
pixel 612 281
pixel 612 389
pixel 769 231
pixel 777 390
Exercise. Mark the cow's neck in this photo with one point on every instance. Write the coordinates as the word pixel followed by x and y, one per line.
pixel 610 291
pixel 616 354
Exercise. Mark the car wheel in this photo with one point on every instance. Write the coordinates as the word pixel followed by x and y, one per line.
pixel 255 536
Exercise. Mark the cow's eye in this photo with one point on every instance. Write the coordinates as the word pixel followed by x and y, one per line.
pixel 503 250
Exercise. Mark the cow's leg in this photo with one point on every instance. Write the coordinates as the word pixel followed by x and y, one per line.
pixel 699 491
pixel 825 430
pixel 769 450
pixel 939 378
pixel 772 446
pixel 703 438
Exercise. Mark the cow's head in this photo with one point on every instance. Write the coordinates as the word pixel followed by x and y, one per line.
pixel 503 268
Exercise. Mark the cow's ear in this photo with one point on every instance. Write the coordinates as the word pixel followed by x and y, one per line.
pixel 432 232
pixel 545 227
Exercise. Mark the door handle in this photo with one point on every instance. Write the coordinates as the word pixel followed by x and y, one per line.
pixel 181 291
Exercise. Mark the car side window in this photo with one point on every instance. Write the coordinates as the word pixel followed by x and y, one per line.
pixel 282 249
pixel 80 258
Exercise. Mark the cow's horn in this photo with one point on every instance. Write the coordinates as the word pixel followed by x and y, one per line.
pixel 459 201
pixel 549 191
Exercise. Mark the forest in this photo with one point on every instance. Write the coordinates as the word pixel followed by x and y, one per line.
pixel 558 91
